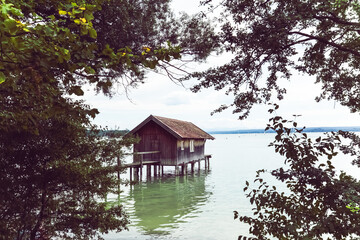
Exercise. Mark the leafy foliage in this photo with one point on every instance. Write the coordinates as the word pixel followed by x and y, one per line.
pixel 64 39
pixel 54 182
pixel 56 167
pixel 270 39
pixel 316 202
pixel 150 23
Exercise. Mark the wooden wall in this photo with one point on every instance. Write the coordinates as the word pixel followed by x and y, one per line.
pixel 155 138
pixel 185 155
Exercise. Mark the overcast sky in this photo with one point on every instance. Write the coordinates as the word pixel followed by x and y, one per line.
pixel 160 96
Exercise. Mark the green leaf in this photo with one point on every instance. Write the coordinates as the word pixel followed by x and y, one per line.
pixel 67 55
pixel 10 24
pixel 92 33
pixel 89 70
pixel 2 77
pixel 5 8
pixel 88 16
pixel 84 30
pixel 62 12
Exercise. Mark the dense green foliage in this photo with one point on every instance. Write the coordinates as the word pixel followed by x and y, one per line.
pixel 271 39
pixel 316 202
pixel 54 183
pixel 64 40
pixel 56 168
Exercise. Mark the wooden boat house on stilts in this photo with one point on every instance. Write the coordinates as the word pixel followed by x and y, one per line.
pixel 168 142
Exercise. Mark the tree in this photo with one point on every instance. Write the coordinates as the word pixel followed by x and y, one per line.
pixel 147 25
pixel 317 200
pixel 54 182
pixel 269 40
pixel 266 38
pixel 56 169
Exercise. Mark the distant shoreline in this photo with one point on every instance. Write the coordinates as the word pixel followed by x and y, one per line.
pixel 310 129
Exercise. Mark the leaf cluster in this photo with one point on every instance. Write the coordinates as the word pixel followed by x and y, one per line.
pixel 56 167
pixel 271 39
pixel 58 41
pixel 317 197
pixel 54 182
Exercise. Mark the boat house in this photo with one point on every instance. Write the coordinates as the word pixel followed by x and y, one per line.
pixel 169 142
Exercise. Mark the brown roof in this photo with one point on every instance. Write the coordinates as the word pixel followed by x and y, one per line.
pixel 179 129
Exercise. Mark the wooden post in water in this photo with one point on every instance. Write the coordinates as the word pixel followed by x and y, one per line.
pixel 155 170
pixel 192 167
pixel 176 170
pixel 141 166
pixel 131 173
pixel 136 174
pixel 148 171
pixel 199 165
pixel 162 170
pixel 206 163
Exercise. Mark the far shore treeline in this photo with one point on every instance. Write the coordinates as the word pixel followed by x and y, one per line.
pixel 113 133
pixel 245 131
pixel 309 129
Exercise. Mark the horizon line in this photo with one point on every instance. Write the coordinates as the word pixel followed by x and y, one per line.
pixel 306 129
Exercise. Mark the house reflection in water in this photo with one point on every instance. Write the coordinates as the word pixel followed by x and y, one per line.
pixel 159 206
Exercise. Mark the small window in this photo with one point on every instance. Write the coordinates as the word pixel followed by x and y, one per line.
pixel 182 145
pixel 191 145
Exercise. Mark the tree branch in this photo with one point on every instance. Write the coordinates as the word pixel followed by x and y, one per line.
pixel 337 20
pixel 326 41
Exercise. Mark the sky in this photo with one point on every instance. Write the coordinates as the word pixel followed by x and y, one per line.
pixel 162 97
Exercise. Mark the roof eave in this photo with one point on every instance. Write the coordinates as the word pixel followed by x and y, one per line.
pixel 152 118
pixel 166 128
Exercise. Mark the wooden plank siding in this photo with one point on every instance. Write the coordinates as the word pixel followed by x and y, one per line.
pixel 155 138
pixel 166 135
pixel 186 155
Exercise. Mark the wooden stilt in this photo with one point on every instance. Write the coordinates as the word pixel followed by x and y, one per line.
pixel 141 168
pixel 136 173
pixel 136 168
pixel 155 170
pixel 148 171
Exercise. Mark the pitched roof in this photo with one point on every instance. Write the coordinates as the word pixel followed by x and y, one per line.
pixel 179 129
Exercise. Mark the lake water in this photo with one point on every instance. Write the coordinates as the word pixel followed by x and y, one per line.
pixel 201 205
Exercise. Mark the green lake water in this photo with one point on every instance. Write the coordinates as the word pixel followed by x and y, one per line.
pixel 200 205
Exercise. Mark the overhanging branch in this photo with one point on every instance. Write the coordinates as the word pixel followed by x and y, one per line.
pixel 326 41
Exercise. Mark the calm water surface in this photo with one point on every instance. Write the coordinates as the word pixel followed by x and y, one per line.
pixel 200 205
